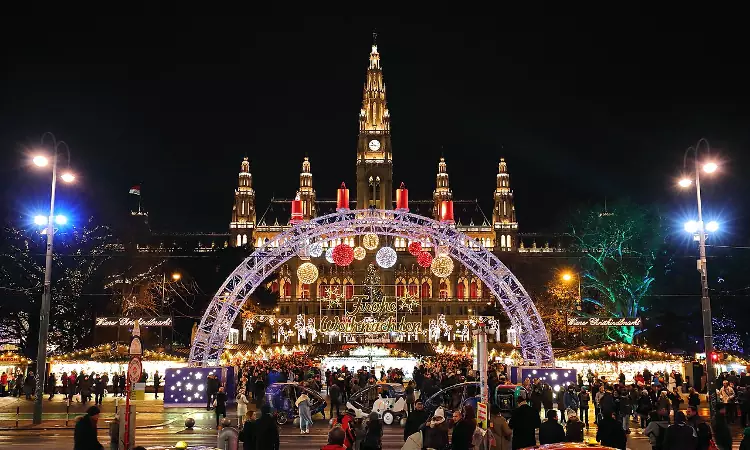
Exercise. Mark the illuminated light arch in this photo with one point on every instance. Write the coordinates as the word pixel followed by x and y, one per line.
pixel 495 276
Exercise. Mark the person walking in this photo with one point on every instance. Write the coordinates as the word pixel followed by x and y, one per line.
pixel 98 391
pixel 702 430
pixel 570 403
pixel 722 434
pixel 583 406
pixel 415 419
pixel 373 433
pixel 435 434
pixel 220 405
pixel 524 421
pixel 551 432
pixel 115 384
pixel 266 431
pixel 656 430
pixel 122 386
pixel 105 381
pixel 247 435
pixel 212 388
pixel 610 432
pixel 680 435
pixel 157 383
pixel 305 418
pixel 726 396
pixel 84 434
pixel 675 399
pixel 242 403
pixel 335 439
pixel 51 385
pixel 29 383
pixel 409 396
pixel 334 394
pixel 463 431
pixel 574 429
pixel 501 432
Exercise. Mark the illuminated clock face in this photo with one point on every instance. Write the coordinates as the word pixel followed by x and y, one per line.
pixel 374 145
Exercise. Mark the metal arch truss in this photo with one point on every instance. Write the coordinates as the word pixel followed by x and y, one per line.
pixel 507 290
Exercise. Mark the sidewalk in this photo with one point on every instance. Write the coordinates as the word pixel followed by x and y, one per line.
pixel 149 413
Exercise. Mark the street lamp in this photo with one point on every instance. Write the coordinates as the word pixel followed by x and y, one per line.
pixel 41 358
pixel 700 228
pixel 567 277
pixel 175 277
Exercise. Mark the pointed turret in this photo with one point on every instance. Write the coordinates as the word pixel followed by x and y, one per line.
pixel 504 213
pixel 306 192
pixel 243 211
pixel 442 188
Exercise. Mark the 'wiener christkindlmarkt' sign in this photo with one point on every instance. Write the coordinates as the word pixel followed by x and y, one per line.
pixel 130 321
pixel 604 321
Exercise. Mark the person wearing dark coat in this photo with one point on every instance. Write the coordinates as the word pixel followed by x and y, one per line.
pixel 524 421
pixel 266 431
pixel 51 385
pixel 463 431
pixel 415 419
pixel 115 383
pixel 334 394
pixel 122 384
pixel 551 432
pixel 610 433
pixel 680 435
pixel 157 383
pixel 247 435
pixel 84 435
pixel 29 384
pixel 373 434
pixel 221 405
pixel 212 387
pixel 574 429
pixel 722 434
pixel 98 391
pixel 260 390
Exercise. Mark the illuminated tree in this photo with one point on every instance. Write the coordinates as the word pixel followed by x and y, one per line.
pixel 79 255
pixel 726 335
pixel 620 249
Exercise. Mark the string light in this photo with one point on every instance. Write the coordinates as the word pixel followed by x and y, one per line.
pixel 414 248
pixel 441 250
pixel 386 257
pixel 370 241
pixel 424 259
pixel 342 255
pixel 315 250
pixel 307 273
pixel 442 266
pixel 359 253
pixel 329 255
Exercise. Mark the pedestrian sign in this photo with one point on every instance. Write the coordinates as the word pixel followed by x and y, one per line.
pixel 482 415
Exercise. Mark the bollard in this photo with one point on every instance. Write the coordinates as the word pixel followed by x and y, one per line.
pixel 18 411
pixel 67 413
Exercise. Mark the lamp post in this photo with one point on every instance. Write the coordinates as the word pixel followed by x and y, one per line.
pixel 41 359
pixel 700 228
pixel 175 277
pixel 567 277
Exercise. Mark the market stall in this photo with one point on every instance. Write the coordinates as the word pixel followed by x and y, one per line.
pixel 609 360
pixel 111 359
pixel 11 361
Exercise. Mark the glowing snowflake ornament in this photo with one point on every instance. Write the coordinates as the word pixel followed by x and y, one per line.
pixel 315 250
pixel 370 241
pixel 329 255
pixel 386 257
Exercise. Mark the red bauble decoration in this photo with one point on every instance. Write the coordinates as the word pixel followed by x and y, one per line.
pixel 342 255
pixel 415 247
pixel 424 259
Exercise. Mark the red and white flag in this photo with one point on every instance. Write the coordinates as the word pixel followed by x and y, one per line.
pixel 135 190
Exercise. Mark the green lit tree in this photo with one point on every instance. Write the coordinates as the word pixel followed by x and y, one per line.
pixel 621 248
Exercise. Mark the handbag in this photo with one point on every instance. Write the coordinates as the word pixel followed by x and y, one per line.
pixel 712 445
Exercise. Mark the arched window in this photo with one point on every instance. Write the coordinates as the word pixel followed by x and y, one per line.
pixel 400 289
pixel 244 239
pixel 275 286
pixel 239 240
pixel 287 290
pixel 461 290
pixel 473 289
pixel 508 241
pixel 305 291
pixel 412 289
pixel 425 290
pixel 443 289
pixel 322 288
pixel 349 290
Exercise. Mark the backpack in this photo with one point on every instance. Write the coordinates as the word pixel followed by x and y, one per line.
pixel 660 437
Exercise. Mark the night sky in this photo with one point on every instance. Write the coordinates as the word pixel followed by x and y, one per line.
pixel 580 113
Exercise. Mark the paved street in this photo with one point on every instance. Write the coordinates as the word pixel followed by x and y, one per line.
pixel 157 427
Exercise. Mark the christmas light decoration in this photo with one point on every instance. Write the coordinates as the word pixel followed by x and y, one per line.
pixel 442 250
pixel 315 250
pixel 342 255
pixel 409 303
pixel 359 253
pixel 329 255
pixel 414 248
pixel 370 241
pixel 442 266
pixel 424 259
pixel 386 258
pixel 307 273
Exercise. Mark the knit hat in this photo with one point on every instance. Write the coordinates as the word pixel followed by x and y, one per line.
pixel 92 411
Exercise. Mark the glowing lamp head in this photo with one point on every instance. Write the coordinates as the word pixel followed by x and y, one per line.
pixel 567 276
pixel 60 219
pixel 710 167
pixel 40 160
pixel 685 182
pixel 691 226
pixel 68 177
pixel 712 226
pixel 40 220
pixel 176 276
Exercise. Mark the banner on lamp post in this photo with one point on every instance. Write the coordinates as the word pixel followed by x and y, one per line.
pixel 604 321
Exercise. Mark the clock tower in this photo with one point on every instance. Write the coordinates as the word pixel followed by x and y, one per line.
pixel 374 157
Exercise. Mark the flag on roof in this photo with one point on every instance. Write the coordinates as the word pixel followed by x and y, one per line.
pixel 135 190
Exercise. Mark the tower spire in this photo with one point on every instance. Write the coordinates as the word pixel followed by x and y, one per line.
pixel 374 115
pixel 306 191
pixel 442 188
pixel 504 214
pixel 243 211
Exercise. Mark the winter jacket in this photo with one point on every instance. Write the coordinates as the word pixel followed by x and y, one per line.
pixel 654 430
pixel 610 433
pixel 680 436
pixel 574 431
pixel 551 432
pixel 524 421
pixel 84 435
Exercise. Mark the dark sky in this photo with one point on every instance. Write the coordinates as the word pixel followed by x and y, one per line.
pixel 581 112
